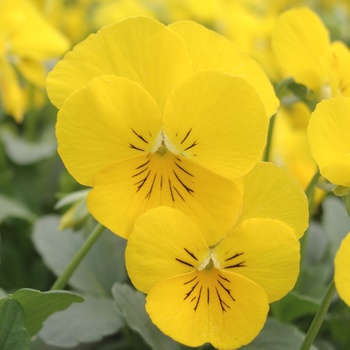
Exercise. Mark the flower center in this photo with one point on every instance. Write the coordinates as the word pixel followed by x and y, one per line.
pixel 209 263
pixel 163 145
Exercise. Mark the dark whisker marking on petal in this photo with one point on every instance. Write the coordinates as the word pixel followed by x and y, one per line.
pixel 199 298
pixel 178 193
pixel 192 299
pixel 208 295
pixel 179 159
pixel 142 182
pixel 222 303
pixel 189 190
pixel 240 264
pixel 234 256
pixel 228 291
pixel 150 190
pixel 185 171
pixel 161 182
pixel 189 131
pixel 190 280
pixel 225 279
pixel 171 191
pixel 142 165
pixel 190 292
pixel 142 171
pixel 184 262
pixel 139 149
pixel 191 254
pixel 189 147
pixel 139 136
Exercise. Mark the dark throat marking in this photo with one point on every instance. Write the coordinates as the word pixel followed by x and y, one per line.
pixel 190 292
pixel 234 256
pixel 185 171
pixel 184 139
pixel 139 136
pixel 150 190
pixel 228 291
pixel 240 264
pixel 199 298
pixel 134 147
pixel 184 262
pixel 191 254
pixel 189 190
pixel 223 305
pixel 189 147
pixel 142 182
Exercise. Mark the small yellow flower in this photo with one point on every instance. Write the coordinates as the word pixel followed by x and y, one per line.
pixel 153 118
pixel 341 270
pixel 329 137
pixel 220 294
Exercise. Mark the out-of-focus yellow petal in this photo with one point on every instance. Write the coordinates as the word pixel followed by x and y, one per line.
pixel 253 249
pixel 341 62
pixel 126 189
pixel 341 270
pixel 139 48
pixel 34 72
pixel 110 119
pixel 270 192
pixel 218 121
pixel 222 308
pixel 164 243
pixel 301 44
pixel 211 51
pixel 329 136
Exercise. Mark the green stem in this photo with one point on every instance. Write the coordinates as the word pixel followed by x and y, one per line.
pixel 269 139
pixel 319 317
pixel 5 172
pixel 31 119
pixel 72 266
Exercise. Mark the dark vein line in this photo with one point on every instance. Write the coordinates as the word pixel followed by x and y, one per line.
pixel 240 264
pixel 139 136
pixel 142 182
pixel 222 303
pixel 150 191
pixel 208 295
pixel 225 279
pixel 189 131
pixel 161 182
pixel 171 191
pixel 189 190
pixel 184 262
pixel 178 193
pixel 199 298
pixel 140 166
pixel 228 291
pixel 193 144
pixel 142 171
pixel 191 254
pixel 234 256
pixel 190 280
pixel 190 292
pixel 139 149
pixel 185 171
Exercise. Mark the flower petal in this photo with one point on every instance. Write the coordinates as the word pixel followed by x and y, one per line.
pixel 126 189
pixel 329 136
pixel 211 51
pixel 213 306
pixel 341 270
pixel 302 46
pixel 218 121
pixel 110 119
pixel 164 243
pixel 254 250
pixel 138 48
pixel 270 192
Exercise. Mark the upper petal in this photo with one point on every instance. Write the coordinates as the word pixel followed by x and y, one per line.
pixel 218 121
pixel 270 192
pixel 211 51
pixel 110 119
pixel 253 249
pixel 138 48
pixel 329 137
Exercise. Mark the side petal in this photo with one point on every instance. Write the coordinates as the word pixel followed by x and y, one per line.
pixel 301 44
pixel 341 270
pixel 211 51
pixel 164 243
pixel 254 250
pixel 329 137
pixel 224 309
pixel 110 119
pixel 126 189
pixel 270 192
pixel 218 121
pixel 139 48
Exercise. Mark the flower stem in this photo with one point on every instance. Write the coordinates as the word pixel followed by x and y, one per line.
pixel 72 266
pixel 310 190
pixel 269 139
pixel 319 317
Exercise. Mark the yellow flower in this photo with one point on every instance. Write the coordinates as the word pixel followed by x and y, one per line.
pixel 197 293
pixel 341 270
pixel 329 137
pixel 26 42
pixel 165 127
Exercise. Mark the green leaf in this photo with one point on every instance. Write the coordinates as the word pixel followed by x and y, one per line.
pixel 85 322
pixel 11 208
pixel 38 306
pixel 13 334
pixel 293 306
pixel 101 268
pixel 277 336
pixel 131 303
pixel 22 152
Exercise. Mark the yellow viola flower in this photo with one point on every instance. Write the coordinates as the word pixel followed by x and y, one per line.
pixel 329 137
pixel 165 127
pixel 220 294
pixel 341 270
pixel 26 42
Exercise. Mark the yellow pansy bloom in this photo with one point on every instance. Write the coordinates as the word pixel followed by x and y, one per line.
pixel 26 42
pixel 341 270
pixel 329 137
pixel 197 293
pixel 151 118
